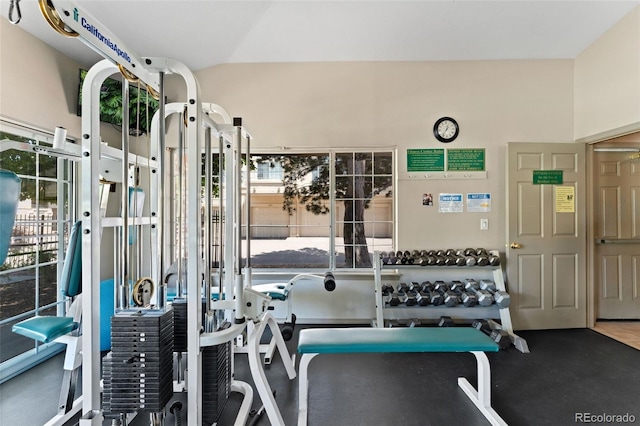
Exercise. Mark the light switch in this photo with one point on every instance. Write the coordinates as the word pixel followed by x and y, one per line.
pixel 484 224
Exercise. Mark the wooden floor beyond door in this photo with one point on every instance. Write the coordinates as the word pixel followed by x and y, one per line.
pixel 627 332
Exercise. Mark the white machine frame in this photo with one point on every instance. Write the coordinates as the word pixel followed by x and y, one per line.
pixel 67 18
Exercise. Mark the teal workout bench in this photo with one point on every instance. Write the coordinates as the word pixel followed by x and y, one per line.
pixel 65 330
pixel 316 341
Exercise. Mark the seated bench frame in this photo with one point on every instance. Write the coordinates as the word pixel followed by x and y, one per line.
pixel 72 284
pixel 480 397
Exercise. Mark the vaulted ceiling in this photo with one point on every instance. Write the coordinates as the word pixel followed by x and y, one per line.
pixel 205 33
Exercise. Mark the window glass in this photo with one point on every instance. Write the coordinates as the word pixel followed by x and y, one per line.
pixel 28 278
pixel 291 221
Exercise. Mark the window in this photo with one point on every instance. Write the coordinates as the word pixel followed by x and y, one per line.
pixel 28 278
pixel 316 210
pixel 329 210
pixel 363 188
pixel 269 171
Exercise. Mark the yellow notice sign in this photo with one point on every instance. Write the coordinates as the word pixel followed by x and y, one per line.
pixel 565 199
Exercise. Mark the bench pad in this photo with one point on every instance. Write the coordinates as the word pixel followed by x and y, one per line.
pixel 45 329
pixel 277 291
pixel 414 339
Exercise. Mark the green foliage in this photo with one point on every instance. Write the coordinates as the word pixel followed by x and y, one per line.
pixel 141 105
pixel 28 164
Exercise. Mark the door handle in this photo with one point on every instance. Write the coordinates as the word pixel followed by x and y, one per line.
pixel 515 245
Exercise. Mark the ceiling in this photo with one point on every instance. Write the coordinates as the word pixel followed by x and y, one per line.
pixel 202 33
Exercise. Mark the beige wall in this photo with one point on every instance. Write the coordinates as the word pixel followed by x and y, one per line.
pixel 351 105
pixel 395 104
pixel 607 80
pixel 39 85
pixel 381 104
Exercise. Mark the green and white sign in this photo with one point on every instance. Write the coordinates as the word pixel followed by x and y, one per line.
pixel 547 177
pixel 425 160
pixel 465 160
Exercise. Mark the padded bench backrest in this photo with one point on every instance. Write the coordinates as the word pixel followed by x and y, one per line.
pixel 72 267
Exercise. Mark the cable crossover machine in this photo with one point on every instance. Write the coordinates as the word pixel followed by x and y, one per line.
pixel 165 341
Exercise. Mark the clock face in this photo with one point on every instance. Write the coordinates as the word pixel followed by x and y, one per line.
pixel 446 129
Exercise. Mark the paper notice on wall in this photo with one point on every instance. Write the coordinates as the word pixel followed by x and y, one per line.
pixel 480 203
pixel 450 203
pixel 565 199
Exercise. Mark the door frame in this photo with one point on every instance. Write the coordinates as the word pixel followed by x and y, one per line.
pixel 591 141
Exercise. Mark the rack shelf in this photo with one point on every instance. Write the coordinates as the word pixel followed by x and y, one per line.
pixel 461 312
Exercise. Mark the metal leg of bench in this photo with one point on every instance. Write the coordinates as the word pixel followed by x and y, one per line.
pixel 482 397
pixel 303 388
pixel 257 372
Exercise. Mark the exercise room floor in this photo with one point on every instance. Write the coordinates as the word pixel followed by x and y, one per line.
pixel 627 332
pixel 568 372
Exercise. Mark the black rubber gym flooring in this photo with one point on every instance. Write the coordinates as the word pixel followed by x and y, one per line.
pixel 569 375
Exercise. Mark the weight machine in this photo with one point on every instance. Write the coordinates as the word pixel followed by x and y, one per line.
pixel 210 321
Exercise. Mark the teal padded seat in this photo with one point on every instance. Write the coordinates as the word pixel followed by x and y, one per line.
pixel 48 328
pixel 376 340
pixel 277 291
pixel 45 329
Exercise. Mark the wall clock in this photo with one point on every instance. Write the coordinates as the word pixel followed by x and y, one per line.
pixel 446 129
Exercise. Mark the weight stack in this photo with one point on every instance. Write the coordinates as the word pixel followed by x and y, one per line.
pixel 179 324
pixel 138 372
pixel 216 380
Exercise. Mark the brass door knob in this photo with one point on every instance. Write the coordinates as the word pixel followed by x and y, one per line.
pixel 515 245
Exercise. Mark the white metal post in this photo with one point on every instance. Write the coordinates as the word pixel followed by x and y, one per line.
pixel 91 239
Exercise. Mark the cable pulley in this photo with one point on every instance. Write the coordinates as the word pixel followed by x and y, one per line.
pixel 53 18
pixel 143 291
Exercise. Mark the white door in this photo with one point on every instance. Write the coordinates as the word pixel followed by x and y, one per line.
pixel 617 229
pixel 545 252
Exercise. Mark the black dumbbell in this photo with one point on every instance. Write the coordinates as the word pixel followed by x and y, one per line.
pixel 445 321
pixel 501 298
pixel 394 300
pixel 484 298
pixel 387 289
pixel 423 298
pixel 402 288
pixel 501 337
pixel 414 287
pixel 450 298
pixel 449 260
pixel 482 260
pixel 434 297
pixel 414 322
pixel 440 260
pixel 411 299
pixel 467 298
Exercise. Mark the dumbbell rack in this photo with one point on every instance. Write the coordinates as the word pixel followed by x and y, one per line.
pixel 426 312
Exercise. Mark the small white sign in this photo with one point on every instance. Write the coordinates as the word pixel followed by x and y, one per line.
pixel 450 203
pixel 479 203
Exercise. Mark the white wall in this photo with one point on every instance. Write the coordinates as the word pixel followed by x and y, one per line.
pixel 607 80
pixel 394 105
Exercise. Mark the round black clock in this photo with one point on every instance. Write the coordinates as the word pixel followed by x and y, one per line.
pixel 446 129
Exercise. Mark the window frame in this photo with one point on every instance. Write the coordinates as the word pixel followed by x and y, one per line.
pixel 66 202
